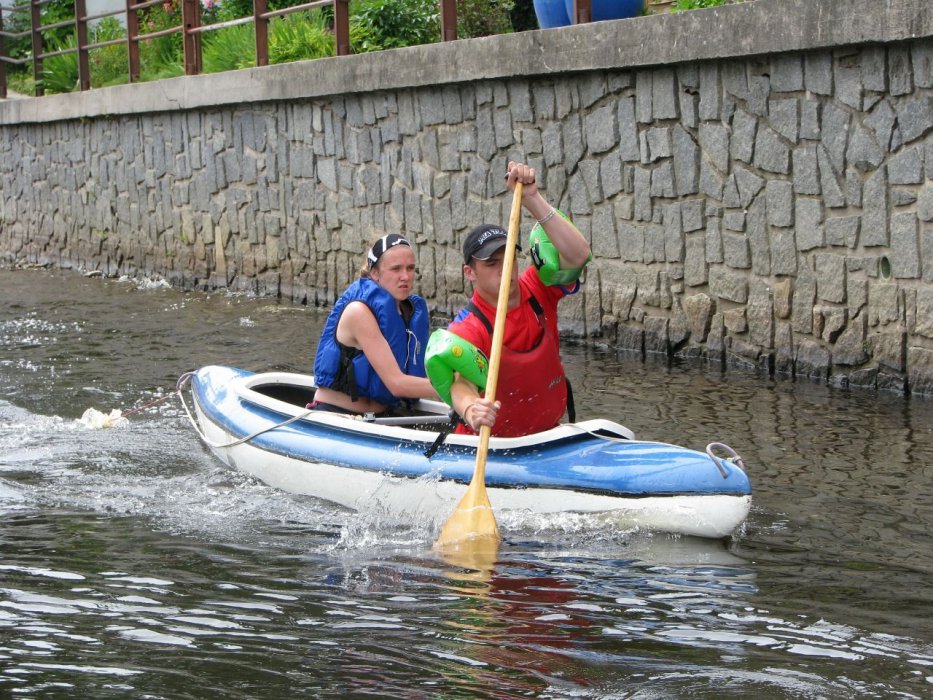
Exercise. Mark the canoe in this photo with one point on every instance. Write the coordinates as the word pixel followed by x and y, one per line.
pixel 259 423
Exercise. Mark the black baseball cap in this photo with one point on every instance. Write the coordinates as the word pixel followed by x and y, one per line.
pixel 483 241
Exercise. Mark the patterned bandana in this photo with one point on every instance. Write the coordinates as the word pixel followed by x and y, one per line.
pixel 382 245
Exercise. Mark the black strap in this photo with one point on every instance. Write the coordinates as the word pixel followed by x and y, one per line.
pixel 442 436
pixel 571 409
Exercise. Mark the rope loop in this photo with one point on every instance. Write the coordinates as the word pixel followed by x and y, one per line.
pixel 733 455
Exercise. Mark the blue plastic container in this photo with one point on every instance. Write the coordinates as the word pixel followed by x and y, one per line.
pixel 558 13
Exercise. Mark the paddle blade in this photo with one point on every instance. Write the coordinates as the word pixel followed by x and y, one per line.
pixel 472 521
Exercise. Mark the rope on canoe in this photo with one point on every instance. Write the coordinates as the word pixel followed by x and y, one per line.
pixel 183 379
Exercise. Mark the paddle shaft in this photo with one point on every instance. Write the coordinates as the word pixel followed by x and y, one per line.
pixel 498 331
pixel 473 524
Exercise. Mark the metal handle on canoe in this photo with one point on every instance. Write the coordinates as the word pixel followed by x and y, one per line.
pixel 733 455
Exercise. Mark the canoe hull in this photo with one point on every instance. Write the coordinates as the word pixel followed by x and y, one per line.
pixel 633 484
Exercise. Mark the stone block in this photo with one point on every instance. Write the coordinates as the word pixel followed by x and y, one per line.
pixel 604 240
pixel 808 217
pixel 874 229
pixel 906 167
pixel 804 295
pixel 850 348
pixel 805 171
pixel 787 73
pixel 744 128
pixel 833 195
pixel 818 72
pixel 811 359
pixel 784 118
pixel 914 116
pixel 905 252
pixel 728 285
pixel 628 130
pixel 830 272
pixel 782 294
pixel 602 130
pixel 760 314
pixel 926 253
pixel 842 231
pixel 835 130
pixel 631 241
pixel 686 162
pixel 920 370
pixel 695 271
pixel 714 144
pixel 713 240
pixel 735 320
pixel 888 348
pixel 883 304
pixel 779 197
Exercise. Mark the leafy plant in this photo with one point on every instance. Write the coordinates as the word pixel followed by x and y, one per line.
pixel 231 48
pixel 484 17
pixel 300 36
pixel 684 5
pixel 389 24
pixel 60 73
pixel 109 65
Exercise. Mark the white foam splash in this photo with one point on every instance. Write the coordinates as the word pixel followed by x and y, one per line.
pixel 95 420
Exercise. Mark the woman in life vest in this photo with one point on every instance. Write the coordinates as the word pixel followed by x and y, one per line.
pixel 532 386
pixel 371 353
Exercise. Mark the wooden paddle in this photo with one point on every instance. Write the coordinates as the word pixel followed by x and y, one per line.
pixel 473 519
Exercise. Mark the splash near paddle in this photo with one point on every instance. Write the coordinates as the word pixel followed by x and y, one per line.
pixel 473 524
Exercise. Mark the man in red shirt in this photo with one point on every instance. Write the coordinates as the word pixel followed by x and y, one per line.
pixel 532 386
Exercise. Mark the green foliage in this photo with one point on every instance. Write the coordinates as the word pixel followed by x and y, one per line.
pixel 301 36
pixel 483 17
pixel 684 5
pixel 390 24
pixel 231 48
pixel 109 64
pixel 60 73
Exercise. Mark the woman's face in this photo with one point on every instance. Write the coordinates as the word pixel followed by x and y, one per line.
pixel 395 272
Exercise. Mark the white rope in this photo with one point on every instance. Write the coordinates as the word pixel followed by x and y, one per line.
pixel 218 446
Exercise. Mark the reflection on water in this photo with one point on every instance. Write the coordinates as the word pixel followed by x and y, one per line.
pixel 132 564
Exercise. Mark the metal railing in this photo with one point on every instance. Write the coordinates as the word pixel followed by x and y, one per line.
pixel 190 29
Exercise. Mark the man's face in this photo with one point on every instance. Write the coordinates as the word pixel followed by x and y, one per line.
pixel 486 276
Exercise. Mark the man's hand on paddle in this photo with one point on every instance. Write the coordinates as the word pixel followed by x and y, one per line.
pixel 474 410
pixel 519 172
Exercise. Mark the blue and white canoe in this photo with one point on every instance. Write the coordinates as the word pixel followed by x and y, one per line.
pixel 258 423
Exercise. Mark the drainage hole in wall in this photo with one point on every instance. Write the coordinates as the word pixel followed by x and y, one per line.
pixel 884 267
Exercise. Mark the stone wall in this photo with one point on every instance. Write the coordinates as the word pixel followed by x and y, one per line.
pixel 758 192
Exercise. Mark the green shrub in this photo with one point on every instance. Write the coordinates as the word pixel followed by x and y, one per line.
pixel 301 36
pixel 484 17
pixel 60 73
pixel 230 48
pixel 684 5
pixel 109 64
pixel 390 24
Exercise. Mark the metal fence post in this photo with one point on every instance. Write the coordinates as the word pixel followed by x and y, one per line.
pixel 261 27
pixel 84 68
pixel 581 12
pixel 191 19
pixel 2 58
pixel 132 40
pixel 448 20
pixel 36 24
pixel 342 26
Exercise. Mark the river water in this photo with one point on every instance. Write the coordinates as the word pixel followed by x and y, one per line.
pixel 134 565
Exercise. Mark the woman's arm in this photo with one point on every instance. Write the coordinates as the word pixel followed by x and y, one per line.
pixel 358 328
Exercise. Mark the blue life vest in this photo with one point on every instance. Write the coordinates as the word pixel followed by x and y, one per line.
pixel 346 369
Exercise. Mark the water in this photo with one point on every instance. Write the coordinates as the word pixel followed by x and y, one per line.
pixel 134 565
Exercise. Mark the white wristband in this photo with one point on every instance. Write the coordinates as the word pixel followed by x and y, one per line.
pixel 548 217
